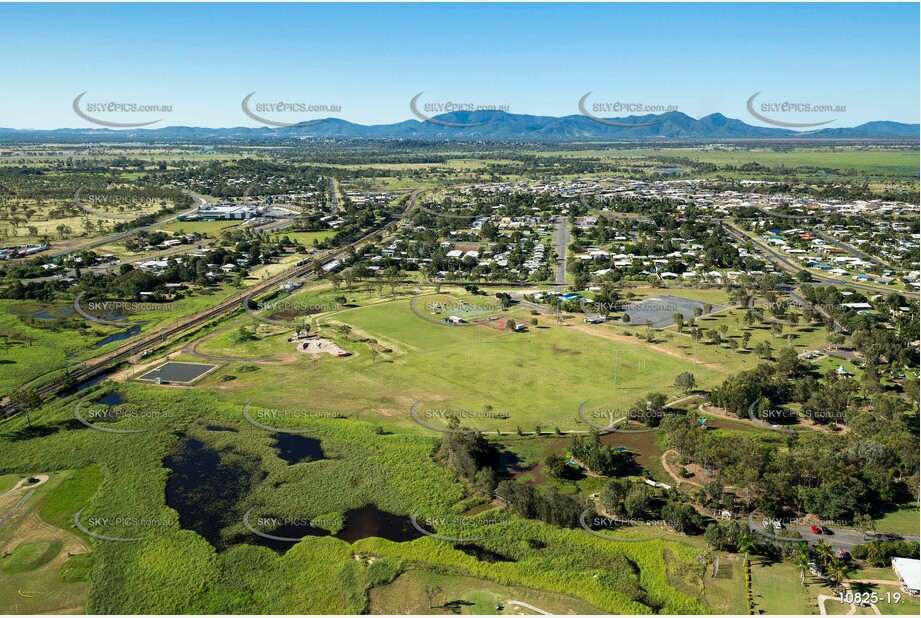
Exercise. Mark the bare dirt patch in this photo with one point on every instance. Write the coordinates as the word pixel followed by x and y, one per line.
pixel 318 346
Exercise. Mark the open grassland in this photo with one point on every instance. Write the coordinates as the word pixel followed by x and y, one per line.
pixel 801 337
pixel 303 238
pixel 407 594
pixel 777 589
pixel 875 161
pixel 538 377
pixel 904 521
pixel 214 228
pixel 906 606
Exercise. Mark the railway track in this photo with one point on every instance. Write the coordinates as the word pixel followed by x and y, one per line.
pixel 164 336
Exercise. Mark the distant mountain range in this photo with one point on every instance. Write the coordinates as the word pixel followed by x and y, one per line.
pixel 497 126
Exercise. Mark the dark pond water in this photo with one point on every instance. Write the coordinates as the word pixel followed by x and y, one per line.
pixel 206 486
pixel 367 521
pixel 370 521
pixel 112 399
pixel 295 448
pixel 126 334
pixel 58 314
pixel 481 553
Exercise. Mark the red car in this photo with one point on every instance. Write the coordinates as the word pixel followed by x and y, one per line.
pixel 815 530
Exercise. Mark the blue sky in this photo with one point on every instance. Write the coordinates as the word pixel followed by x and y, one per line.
pixel 371 59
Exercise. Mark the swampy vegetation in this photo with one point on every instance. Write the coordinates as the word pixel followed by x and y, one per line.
pixel 201 467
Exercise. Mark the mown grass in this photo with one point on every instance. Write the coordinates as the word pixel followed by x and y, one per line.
pixel 29 556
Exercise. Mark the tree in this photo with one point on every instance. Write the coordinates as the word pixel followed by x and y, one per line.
pixel 875 554
pixel 612 496
pixel 837 570
pixel 802 561
pixel 746 544
pixel 824 552
pixel 835 339
pixel 788 363
pixel 748 319
pixel 26 401
pixel 763 350
pixel 776 329
pixel 350 278
pixel 678 317
pixel 685 381
pixel 556 466
pixel 626 318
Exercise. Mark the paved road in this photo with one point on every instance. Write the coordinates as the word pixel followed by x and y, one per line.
pixel 333 197
pixel 792 267
pixel 199 201
pixel 853 250
pixel 841 537
pixel 561 241
pixel 12 512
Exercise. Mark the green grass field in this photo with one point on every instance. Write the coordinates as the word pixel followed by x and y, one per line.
pixel 903 521
pixel 213 228
pixel 304 238
pixel 465 367
pixel 465 595
pixel 876 161
pixel 777 589
pixel 38 574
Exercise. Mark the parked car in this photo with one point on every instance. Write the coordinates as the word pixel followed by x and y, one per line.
pixel 816 530
pixel 826 530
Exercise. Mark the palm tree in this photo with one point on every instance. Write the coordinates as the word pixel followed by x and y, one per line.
pixel 837 570
pixel 824 552
pixel 875 554
pixel 802 561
